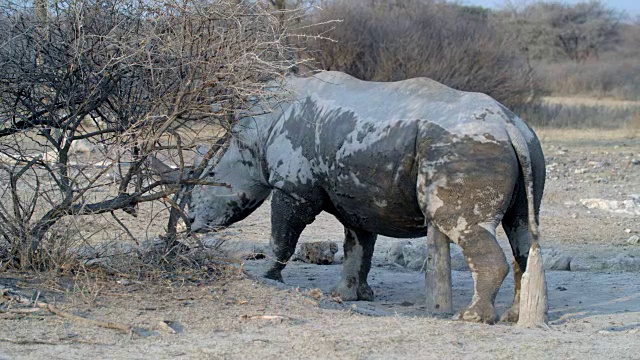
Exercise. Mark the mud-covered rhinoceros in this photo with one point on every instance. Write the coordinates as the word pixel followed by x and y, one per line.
pixel 399 159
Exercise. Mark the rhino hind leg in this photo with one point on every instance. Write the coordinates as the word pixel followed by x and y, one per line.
pixel 468 211
pixel 488 267
pixel 289 217
pixel 358 251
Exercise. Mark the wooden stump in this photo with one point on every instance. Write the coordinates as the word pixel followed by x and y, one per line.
pixel 438 273
pixel 533 292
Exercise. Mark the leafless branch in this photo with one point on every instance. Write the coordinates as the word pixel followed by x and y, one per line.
pixel 123 83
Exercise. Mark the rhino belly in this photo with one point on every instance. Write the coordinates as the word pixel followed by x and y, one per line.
pixel 380 215
pixel 380 199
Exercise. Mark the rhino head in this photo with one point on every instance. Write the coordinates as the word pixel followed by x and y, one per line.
pixel 229 189
pixel 239 191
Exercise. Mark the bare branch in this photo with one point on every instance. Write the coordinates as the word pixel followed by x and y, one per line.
pixel 127 83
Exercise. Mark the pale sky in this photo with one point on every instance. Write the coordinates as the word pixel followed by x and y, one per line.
pixel 630 7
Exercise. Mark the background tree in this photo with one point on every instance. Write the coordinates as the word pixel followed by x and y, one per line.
pixel 554 30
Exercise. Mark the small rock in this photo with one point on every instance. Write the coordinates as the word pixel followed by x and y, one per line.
pixel 615 206
pixel 124 282
pixel 633 240
pixel 635 161
pixel 318 252
pixel 624 262
pixel 556 260
pixel 582 264
pixel 415 256
pixel 244 250
pixel 628 231
pixel 395 254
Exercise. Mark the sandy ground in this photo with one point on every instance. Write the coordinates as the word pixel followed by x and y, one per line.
pixel 593 314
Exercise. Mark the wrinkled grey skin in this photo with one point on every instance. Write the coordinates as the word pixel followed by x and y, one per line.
pixel 398 159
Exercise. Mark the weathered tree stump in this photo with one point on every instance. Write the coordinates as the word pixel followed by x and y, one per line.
pixel 533 293
pixel 438 273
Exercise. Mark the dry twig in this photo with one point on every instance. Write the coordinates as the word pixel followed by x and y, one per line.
pixel 21 311
pixel 13 296
pixel 43 342
pixel 278 318
pixel 30 342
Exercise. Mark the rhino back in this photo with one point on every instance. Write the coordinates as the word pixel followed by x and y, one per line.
pixel 458 112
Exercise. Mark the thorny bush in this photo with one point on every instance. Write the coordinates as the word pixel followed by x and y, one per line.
pixel 91 90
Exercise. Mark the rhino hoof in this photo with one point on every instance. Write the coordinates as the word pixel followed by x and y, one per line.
pixel 511 315
pixel 486 315
pixel 362 292
pixel 274 275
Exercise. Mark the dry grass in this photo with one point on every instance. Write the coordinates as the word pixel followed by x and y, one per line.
pixel 590 101
pixel 606 78
pixel 547 134
pixel 582 113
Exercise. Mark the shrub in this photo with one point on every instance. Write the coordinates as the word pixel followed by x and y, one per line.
pixel 391 41
pixel 616 79
pixel 133 80
pixel 580 116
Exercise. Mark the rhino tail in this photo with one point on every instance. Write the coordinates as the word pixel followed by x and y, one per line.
pixel 521 148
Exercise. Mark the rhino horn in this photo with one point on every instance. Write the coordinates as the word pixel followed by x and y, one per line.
pixel 168 173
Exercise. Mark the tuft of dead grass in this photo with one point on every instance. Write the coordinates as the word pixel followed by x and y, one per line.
pixel 548 134
pixel 607 78
pixel 582 112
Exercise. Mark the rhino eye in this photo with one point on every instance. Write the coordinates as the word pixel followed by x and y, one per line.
pixel 212 173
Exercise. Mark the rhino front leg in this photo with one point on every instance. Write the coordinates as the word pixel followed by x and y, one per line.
pixel 288 218
pixel 358 251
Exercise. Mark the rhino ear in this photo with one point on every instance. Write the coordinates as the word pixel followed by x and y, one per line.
pixel 168 173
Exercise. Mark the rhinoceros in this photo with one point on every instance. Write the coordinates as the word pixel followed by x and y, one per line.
pixel 401 159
